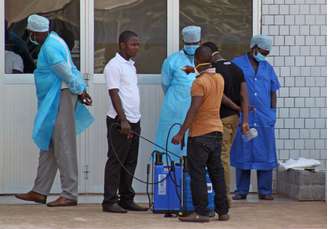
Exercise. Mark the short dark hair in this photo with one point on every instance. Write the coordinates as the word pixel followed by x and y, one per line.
pixel 203 54
pixel 125 36
pixel 211 45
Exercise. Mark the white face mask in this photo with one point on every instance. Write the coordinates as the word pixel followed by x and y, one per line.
pixel 199 65
pixel 33 41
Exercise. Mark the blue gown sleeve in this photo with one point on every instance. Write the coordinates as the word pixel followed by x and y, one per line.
pixel 54 55
pixel 72 77
pixel 57 61
pixel 166 75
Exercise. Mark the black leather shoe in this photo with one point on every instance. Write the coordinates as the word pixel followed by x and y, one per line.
pixel 239 197
pixel 133 207
pixel 265 197
pixel 225 217
pixel 195 218
pixel 114 208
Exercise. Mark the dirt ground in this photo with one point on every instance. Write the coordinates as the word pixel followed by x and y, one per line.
pixel 251 214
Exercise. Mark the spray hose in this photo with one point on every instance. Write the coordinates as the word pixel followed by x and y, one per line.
pixel 167 153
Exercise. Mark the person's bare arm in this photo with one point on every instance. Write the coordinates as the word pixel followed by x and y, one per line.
pixel 125 126
pixel 273 100
pixel 196 102
pixel 229 103
pixel 244 106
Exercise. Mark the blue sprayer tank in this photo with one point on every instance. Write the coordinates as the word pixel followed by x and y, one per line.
pixel 167 187
pixel 171 191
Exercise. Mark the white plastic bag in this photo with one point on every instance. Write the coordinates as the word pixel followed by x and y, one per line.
pixel 301 163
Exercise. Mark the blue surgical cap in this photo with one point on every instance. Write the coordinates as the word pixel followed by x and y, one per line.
pixel 191 34
pixel 262 41
pixel 37 23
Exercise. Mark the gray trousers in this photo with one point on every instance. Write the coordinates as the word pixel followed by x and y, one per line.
pixel 62 153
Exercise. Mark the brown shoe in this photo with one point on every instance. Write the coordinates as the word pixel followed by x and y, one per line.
pixel 32 196
pixel 62 202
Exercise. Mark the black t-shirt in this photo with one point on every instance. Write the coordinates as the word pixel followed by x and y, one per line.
pixel 233 77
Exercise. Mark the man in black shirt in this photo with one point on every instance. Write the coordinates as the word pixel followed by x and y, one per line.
pixel 234 102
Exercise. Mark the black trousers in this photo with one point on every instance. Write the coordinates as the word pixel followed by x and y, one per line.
pixel 125 151
pixel 205 151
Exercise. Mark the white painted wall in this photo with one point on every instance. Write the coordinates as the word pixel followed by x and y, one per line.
pixel 19 155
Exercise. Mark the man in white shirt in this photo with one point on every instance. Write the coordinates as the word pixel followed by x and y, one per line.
pixel 123 119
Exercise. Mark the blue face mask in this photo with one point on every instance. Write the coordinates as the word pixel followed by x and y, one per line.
pixel 190 49
pixel 259 57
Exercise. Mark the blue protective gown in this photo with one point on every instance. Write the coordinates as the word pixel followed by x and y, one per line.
pixel 259 153
pixel 176 85
pixel 54 52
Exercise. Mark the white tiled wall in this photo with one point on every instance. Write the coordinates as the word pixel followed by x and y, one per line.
pixel 298 29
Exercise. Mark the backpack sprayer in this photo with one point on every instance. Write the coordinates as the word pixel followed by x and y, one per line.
pixel 171 193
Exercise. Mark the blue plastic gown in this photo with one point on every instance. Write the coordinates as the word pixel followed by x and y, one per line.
pixel 48 83
pixel 260 153
pixel 176 85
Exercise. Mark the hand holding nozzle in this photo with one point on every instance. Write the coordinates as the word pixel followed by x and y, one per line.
pixel 188 69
